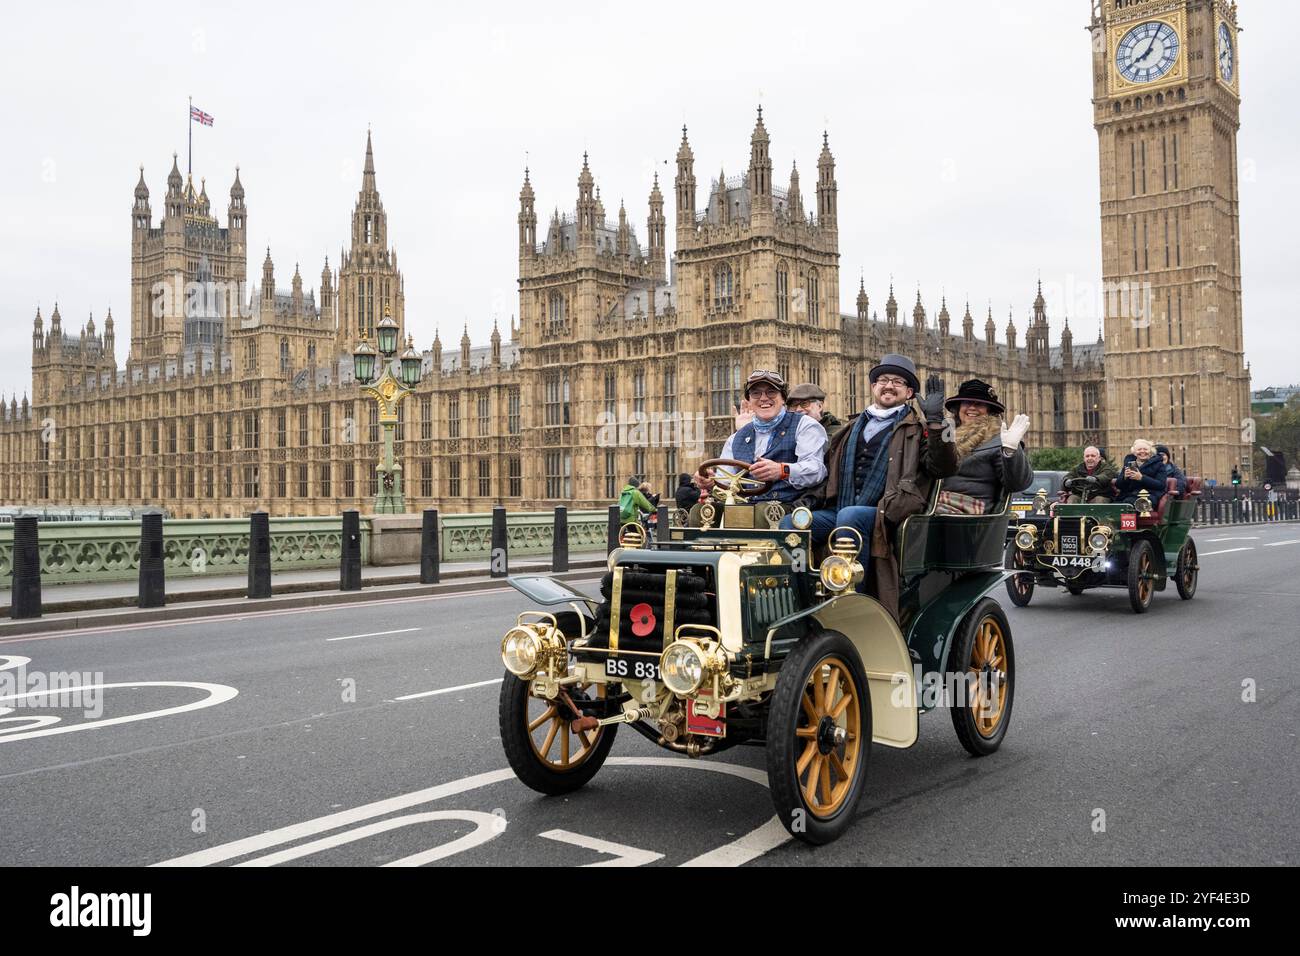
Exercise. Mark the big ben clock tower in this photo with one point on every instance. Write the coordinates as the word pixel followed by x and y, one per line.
pixel 1166 104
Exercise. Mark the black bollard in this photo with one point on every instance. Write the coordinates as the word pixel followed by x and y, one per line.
pixel 27 569
pixel 662 522
pixel 499 559
pixel 259 555
pixel 612 539
pixel 350 561
pixel 153 586
pixel 560 540
pixel 430 557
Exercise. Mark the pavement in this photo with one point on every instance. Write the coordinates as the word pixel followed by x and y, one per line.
pixel 366 734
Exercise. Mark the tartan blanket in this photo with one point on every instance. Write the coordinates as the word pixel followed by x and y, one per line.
pixel 955 503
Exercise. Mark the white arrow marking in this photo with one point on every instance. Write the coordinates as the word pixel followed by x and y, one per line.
pixel 623 855
pixel 486 826
pixel 217 694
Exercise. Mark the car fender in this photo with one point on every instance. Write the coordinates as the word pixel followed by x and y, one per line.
pixel 931 634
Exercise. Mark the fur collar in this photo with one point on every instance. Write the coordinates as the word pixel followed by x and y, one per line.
pixel 973 434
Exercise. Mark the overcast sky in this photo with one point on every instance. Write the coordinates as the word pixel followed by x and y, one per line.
pixel 967 161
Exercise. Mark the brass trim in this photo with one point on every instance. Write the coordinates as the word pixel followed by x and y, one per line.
pixel 670 602
pixel 615 607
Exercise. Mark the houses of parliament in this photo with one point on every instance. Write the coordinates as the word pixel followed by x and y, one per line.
pixel 233 400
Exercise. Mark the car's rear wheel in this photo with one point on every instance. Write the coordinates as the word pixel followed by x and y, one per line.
pixel 1185 580
pixel 543 748
pixel 1141 575
pixel 1020 587
pixel 819 737
pixel 985 662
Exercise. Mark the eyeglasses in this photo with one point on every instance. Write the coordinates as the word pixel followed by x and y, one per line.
pixel 891 380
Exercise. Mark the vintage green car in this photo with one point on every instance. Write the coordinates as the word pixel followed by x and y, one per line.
pixel 735 632
pixel 1082 546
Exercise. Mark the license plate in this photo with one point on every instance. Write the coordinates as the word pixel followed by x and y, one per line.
pixel 1069 561
pixel 1128 522
pixel 1021 510
pixel 636 668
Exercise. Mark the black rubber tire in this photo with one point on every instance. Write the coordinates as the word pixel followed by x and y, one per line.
pixel 1140 553
pixel 512 715
pixel 1020 587
pixel 970 735
pixel 784 748
pixel 1185 580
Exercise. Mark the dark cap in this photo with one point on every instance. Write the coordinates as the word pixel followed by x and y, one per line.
pixel 807 392
pixel 900 365
pixel 764 376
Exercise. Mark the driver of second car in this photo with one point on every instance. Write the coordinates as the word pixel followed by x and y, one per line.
pixel 784 448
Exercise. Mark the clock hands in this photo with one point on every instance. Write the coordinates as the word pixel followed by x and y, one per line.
pixel 1145 53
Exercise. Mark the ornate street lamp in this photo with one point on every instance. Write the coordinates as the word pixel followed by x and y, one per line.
pixel 388 393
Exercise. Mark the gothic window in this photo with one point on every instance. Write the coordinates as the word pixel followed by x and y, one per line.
pixel 349 479
pixel 556 308
pixel 814 308
pixel 250 356
pixel 670 391
pixel 280 423
pixel 484 415
pixel 638 462
pixel 638 392
pixel 1180 316
pixel 853 390
pixel 311 354
pixel 516 478
pixel 326 439
pixel 484 478
pixel 1182 404
pixel 1176 151
pixel 719 394
pixel 1178 241
pixel 611 394
pixel 302 427
pixel 399 431
pixel 302 481
pixel 374 422
pixel 512 412
pixel 325 488
pixel 426 418
pixel 1132 167
pixel 782 292
pixel 723 288
pixel 1171 403
pixel 453 417
pixel 1142 151
pixel 1166 239
pixel 281 481
pixel 611 478
pixel 426 479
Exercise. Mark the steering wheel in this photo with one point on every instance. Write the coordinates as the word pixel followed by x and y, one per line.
pixel 738 484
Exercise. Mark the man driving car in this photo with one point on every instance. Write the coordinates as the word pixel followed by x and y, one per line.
pixel 1096 467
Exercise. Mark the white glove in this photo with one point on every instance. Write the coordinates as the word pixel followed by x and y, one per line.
pixel 1014 434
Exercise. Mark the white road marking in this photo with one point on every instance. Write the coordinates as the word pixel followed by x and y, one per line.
pixel 448 690
pixel 353 637
pixel 1278 544
pixel 623 855
pixel 1206 554
pixel 486 826
pixel 748 847
pixel 1254 537
pixel 10 662
pixel 217 694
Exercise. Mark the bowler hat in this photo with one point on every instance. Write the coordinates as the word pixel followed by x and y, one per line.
pixel 900 365
pixel 973 390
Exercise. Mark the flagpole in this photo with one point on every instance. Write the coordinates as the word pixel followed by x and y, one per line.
pixel 189 123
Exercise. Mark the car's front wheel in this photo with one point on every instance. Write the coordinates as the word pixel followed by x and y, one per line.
pixel 541 744
pixel 1141 575
pixel 819 737
pixel 984 661
pixel 1020 587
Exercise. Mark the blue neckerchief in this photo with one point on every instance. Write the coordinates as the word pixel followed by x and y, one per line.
pixel 845 497
pixel 765 428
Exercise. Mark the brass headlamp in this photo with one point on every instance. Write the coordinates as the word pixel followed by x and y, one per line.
pixel 1144 503
pixel 1026 535
pixel 534 645
pixel 841 569
pixel 1040 501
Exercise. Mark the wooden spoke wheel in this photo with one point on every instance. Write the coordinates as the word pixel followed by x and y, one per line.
pixel 544 749
pixel 984 659
pixel 819 737
pixel 1020 587
pixel 1185 580
pixel 1141 575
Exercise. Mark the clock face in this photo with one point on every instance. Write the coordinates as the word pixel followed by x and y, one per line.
pixel 1225 53
pixel 1147 52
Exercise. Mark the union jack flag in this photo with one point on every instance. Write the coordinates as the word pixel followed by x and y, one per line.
pixel 198 115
